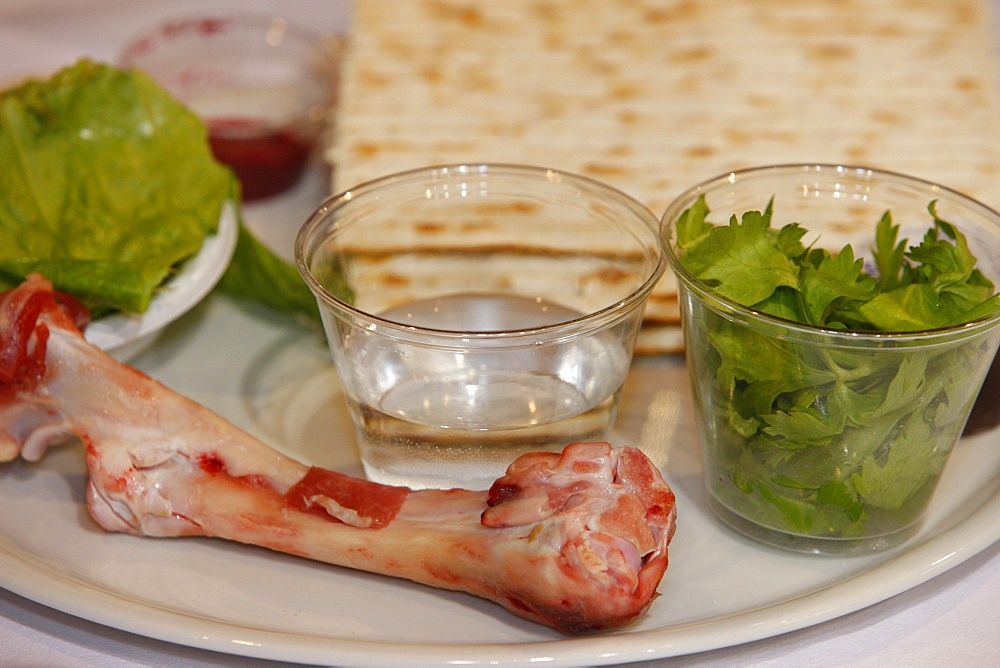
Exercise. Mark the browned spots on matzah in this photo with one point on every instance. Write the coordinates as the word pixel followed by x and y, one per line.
pixel 596 66
pixel 604 169
pixel 622 36
pixel 737 137
pixel 686 10
pixel 366 149
pixel 690 86
pixel 611 276
pixel 664 184
pixel 504 128
pixel 432 75
pixel 967 84
pixel 456 145
pixel 545 12
pixel 964 15
pixel 391 49
pixel 551 105
pixel 494 209
pixel 629 117
pixel 889 116
pixel 781 136
pixel 699 151
pixel 858 153
pixel 373 259
pixel 429 227
pixel 691 54
pixel 624 92
pixel 856 217
pixel 394 280
pixel 374 79
pixel 477 226
pixel 989 171
pixel 651 316
pixel 619 151
pixel 829 51
pixel 466 14
pixel 554 39
pixel 372 149
pixel 761 101
pixel 478 81
pixel 664 299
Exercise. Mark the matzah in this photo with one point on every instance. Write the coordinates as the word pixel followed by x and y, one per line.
pixel 654 96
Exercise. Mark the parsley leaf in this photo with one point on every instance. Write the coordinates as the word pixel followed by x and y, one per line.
pixel 889 255
pixel 837 278
pixel 726 255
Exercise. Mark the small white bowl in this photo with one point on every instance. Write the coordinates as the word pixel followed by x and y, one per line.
pixel 125 335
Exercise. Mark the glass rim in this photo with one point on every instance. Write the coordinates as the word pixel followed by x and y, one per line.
pixel 275 31
pixel 862 174
pixel 586 322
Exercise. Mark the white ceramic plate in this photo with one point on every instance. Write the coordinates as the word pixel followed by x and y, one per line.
pixel 125 335
pixel 276 381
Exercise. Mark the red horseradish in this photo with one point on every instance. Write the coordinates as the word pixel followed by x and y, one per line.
pixel 267 161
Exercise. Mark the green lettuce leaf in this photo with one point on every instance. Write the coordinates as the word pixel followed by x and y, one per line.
pixel 258 274
pixel 106 184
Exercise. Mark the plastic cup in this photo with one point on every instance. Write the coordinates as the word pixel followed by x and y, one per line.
pixel 261 85
pixel 477 312
pixel 826 440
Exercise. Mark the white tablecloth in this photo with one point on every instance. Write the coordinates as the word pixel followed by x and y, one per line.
pixel 950 620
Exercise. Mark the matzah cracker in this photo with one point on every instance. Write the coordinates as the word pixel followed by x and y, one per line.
pixel 654 96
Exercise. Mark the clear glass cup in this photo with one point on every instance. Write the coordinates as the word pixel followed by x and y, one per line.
pixel 824 440
pixel 477 312
pixel 262 86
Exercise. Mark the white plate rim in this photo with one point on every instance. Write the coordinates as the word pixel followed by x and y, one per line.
pixel 934 552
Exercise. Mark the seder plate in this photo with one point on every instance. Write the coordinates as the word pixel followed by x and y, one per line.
pixel 273 378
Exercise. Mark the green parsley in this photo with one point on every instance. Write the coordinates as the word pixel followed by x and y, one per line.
pixel 831 441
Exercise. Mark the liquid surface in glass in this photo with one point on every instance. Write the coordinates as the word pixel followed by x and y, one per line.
pixel 430 417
